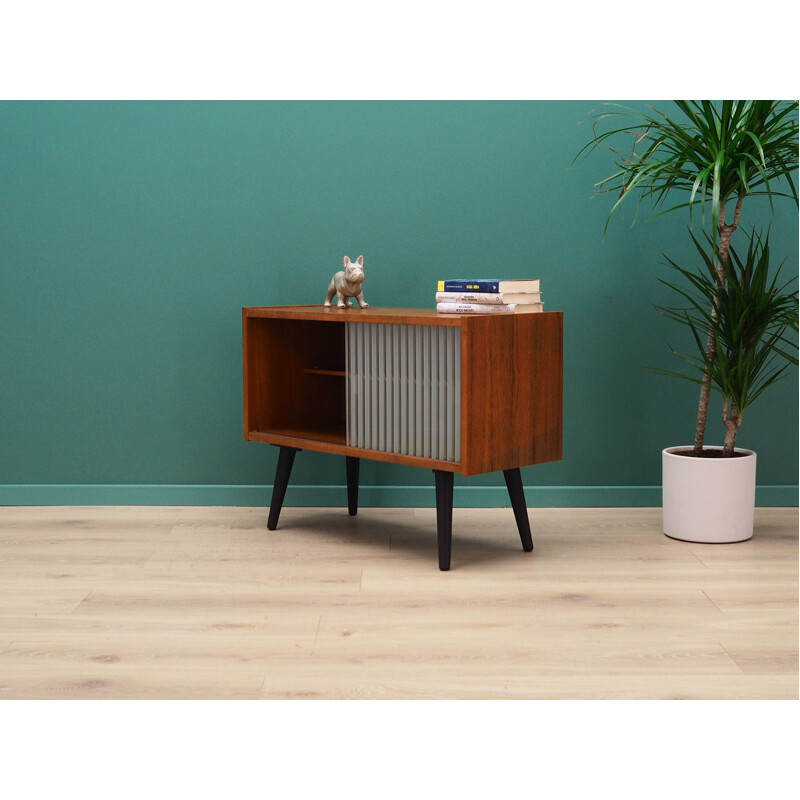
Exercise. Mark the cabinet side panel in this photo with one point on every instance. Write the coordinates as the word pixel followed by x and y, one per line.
pixel 455 424
pixel 538 389
pixel 254 376
pixel 511 391
pixel 246 379
pixel 486 359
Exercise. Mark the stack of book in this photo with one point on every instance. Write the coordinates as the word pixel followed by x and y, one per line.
pixel 488 296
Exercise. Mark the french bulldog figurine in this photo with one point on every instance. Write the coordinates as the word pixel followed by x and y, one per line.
pixel 347 284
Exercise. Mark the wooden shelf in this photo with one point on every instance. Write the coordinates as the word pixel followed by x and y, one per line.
pixel 335 442
pixel 337 373
pixel 313 433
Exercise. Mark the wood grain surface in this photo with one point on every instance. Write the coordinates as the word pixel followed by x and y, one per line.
pixel 205 603
pixel 511 383
pixel 512 395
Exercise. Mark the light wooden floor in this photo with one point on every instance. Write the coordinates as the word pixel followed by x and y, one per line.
pixel 204 602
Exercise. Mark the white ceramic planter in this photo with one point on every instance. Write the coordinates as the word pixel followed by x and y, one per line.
pixel 708 499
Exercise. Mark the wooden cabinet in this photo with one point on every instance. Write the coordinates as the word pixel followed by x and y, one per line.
pixel 463 394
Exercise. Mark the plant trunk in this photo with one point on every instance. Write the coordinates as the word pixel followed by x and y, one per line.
pixel 725 233
pixel 732 422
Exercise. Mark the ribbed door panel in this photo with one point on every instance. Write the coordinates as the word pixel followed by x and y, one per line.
pixel 404 389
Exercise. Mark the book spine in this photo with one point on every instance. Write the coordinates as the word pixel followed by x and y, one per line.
pixel 469 297
pixel 468 286
pixel 474 308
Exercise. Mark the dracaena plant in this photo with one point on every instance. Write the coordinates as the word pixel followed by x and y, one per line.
pixel 753 318
pixel 710 154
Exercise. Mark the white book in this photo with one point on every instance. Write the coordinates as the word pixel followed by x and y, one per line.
pixel 498 298
pixel 489 308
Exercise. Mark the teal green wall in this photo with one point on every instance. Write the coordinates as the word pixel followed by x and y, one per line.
pixel 132 233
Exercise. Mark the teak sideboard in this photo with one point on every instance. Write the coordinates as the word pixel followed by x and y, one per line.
pixel 465 394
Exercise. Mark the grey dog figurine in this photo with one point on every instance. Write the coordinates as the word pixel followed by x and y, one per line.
pixel 347 284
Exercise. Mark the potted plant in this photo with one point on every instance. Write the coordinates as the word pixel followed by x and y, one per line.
pixel 715 154
pixel 749 314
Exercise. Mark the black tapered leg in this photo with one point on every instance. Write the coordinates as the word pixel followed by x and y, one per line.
pixel 284 470
pixel 444 515
pixel 352 484
pixel 517 495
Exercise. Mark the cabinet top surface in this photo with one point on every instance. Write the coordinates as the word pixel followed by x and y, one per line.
pixel 413 316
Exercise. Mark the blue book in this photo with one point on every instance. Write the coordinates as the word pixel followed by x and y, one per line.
pixel 488 285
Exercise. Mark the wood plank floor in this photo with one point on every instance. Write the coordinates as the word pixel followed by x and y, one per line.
pixel 204 602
